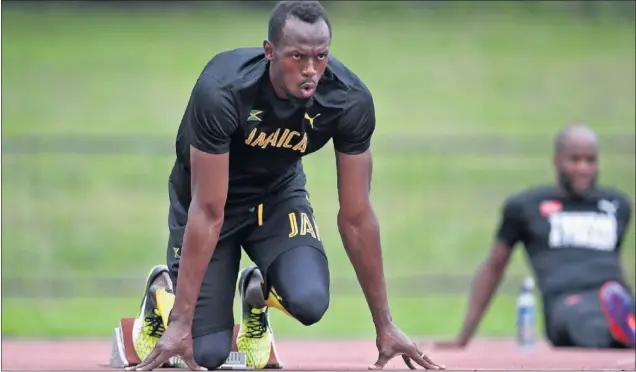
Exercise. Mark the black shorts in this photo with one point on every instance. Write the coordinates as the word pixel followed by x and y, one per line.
pixel 577 320
pixel 264 232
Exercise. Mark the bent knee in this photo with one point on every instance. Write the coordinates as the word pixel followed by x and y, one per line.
pixel 309 306
pixel 212 350
pixel 593 334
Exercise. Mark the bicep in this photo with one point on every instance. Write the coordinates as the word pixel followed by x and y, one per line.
pixel 500 253
pixel 212 120
pixel 511 225
pixel 509 233
pixel 354 182
pixel 209 181
pixel 352 143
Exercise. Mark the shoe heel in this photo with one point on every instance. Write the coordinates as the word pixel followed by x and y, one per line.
pixel 250 288
pixel 254 290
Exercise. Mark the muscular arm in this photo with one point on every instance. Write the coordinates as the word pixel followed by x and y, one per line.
pixel 205 217
pixel 212 119
pixel 483 287
pixel 488 277
pixel 360 231
pixel 357 221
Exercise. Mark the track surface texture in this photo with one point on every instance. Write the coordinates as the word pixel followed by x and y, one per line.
pixel 333 355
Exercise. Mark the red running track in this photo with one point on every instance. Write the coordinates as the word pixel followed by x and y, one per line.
pixel 332 355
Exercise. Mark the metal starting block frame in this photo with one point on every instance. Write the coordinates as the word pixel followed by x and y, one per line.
pixel 123 352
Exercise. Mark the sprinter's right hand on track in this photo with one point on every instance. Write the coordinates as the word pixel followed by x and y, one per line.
pixel 175 341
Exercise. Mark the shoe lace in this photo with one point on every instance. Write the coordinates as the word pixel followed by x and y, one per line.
pixel 155 323
pixel 256 324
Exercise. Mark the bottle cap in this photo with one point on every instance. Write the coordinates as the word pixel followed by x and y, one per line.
pixel 528 283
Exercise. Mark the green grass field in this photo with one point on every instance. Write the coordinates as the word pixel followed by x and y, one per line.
pixel 90 317
pixel 466 107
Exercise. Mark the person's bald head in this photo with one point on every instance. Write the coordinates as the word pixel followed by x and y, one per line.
pixel 575 135
pixel 575 158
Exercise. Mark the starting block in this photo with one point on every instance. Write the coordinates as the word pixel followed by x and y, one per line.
pixel 123 352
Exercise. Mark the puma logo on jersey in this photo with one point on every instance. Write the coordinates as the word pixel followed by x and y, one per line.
pixel 311 120
pixel 609 207
pixel 587 230
pixel 281 138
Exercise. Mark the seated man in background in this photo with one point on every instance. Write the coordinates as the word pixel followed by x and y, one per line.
pixel 572 233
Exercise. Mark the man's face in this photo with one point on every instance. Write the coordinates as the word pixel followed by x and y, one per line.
pixel 577 166
pixel 300 57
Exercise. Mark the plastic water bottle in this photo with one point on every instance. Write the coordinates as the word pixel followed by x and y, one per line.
pixel 526 316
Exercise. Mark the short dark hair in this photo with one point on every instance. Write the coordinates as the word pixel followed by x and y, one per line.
pixel 306 11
